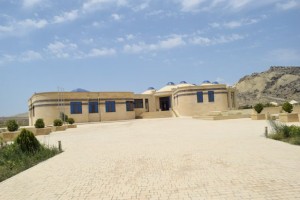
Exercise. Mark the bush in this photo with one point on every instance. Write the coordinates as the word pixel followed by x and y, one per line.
pixel 39 123
pixel 12 125
pixel 295 131
pixel 287 107
pixel 64 117
pixel 258 107
pixel 27 142
pixel 57 122
pixel 13 160
pixel 71 121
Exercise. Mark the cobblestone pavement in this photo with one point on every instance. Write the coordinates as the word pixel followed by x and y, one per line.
pixel 177 158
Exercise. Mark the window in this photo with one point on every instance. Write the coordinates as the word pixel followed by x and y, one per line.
pixel 129 105
pixel 110 106
pixel 93 107
pixel 200 97
pixel 211 96
pixel 138 103
pixel 76 107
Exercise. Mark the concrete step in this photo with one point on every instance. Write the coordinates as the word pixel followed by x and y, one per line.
pixel 160 114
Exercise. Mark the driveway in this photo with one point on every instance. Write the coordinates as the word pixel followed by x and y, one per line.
pixel 175 158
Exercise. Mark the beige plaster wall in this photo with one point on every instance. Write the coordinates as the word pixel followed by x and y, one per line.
pixel 46 106
pixel 187 105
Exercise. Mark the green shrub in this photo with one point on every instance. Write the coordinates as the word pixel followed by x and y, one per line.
pixel 57 122
pixel 64 117
pixel 287 107
pixel 258 107
pixel 71 121
pixel 295 140
pixel 27 142
pixel 39 123
pixel 295 131
pixel 12 125
pixel 285 131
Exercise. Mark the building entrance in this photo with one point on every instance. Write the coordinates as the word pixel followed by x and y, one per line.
pixel 164 103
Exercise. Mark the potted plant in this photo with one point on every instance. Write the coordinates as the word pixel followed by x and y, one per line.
pixel 258 115
pixel 40 128
pixel 58 125
pixel 12 127
pixel 288 116
pixel 71 122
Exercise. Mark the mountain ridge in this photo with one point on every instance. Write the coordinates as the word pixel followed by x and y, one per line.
pixel 278 83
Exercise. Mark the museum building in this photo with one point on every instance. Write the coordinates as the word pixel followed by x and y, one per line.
pixel 181 99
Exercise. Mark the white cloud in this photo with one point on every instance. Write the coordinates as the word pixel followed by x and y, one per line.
pixel 30 55
pixel 19 28
pixel 120 39
pixel 287 5
pixel 30 23
pixel 205 41
pixel 169 43
pixel 31 3
pixel 67 49
pixel 130 37
pixel 141 7
pixel 239 23
pixel 66 16
pixel 7 58
pixel 101 52
pixel 63 49
pixel 116 16
pixel 236 23
pixel 190 5
pixel 91 5
pixel 238 4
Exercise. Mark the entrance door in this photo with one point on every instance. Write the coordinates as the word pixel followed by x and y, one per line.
pixel 164 103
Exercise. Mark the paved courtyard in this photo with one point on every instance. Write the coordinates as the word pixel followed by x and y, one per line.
pixel 177 158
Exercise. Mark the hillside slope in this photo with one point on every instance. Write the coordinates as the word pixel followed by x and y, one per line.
pixel 277 84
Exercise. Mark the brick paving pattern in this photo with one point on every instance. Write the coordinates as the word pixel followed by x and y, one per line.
pixel 176 158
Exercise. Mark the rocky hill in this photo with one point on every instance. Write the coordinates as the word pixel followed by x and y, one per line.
pixel 278 84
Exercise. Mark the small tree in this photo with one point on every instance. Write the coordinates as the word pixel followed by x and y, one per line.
pixel 57 122
pixel 287 107
pixel 258 107
pixel 39 123
pixel 71 121
pixel 12 125
pixel 27 142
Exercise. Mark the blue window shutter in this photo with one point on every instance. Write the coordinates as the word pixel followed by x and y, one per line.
pixel 80 107
pixel 211 96
pixel 113 106
pixel 90 107
pixel 106 106
pixel 199 97
pixel 72 107
pixel 96 107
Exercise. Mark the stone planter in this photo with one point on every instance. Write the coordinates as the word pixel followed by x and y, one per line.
pixel 288 117
pixel 9 136
pixel 258 116
pixel 40 131
pixel 72 126
pixel 43 131
pixel 59 128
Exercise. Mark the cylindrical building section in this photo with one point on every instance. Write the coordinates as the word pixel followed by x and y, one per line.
pixel 200 100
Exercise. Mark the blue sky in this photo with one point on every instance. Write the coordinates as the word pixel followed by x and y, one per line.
pixel 126 45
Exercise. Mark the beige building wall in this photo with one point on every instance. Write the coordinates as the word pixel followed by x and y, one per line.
pixel 185 100
pixel 49 105
pixel 182 99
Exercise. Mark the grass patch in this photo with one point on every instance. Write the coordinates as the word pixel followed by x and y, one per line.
pixel 285 133
pixel 13 160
